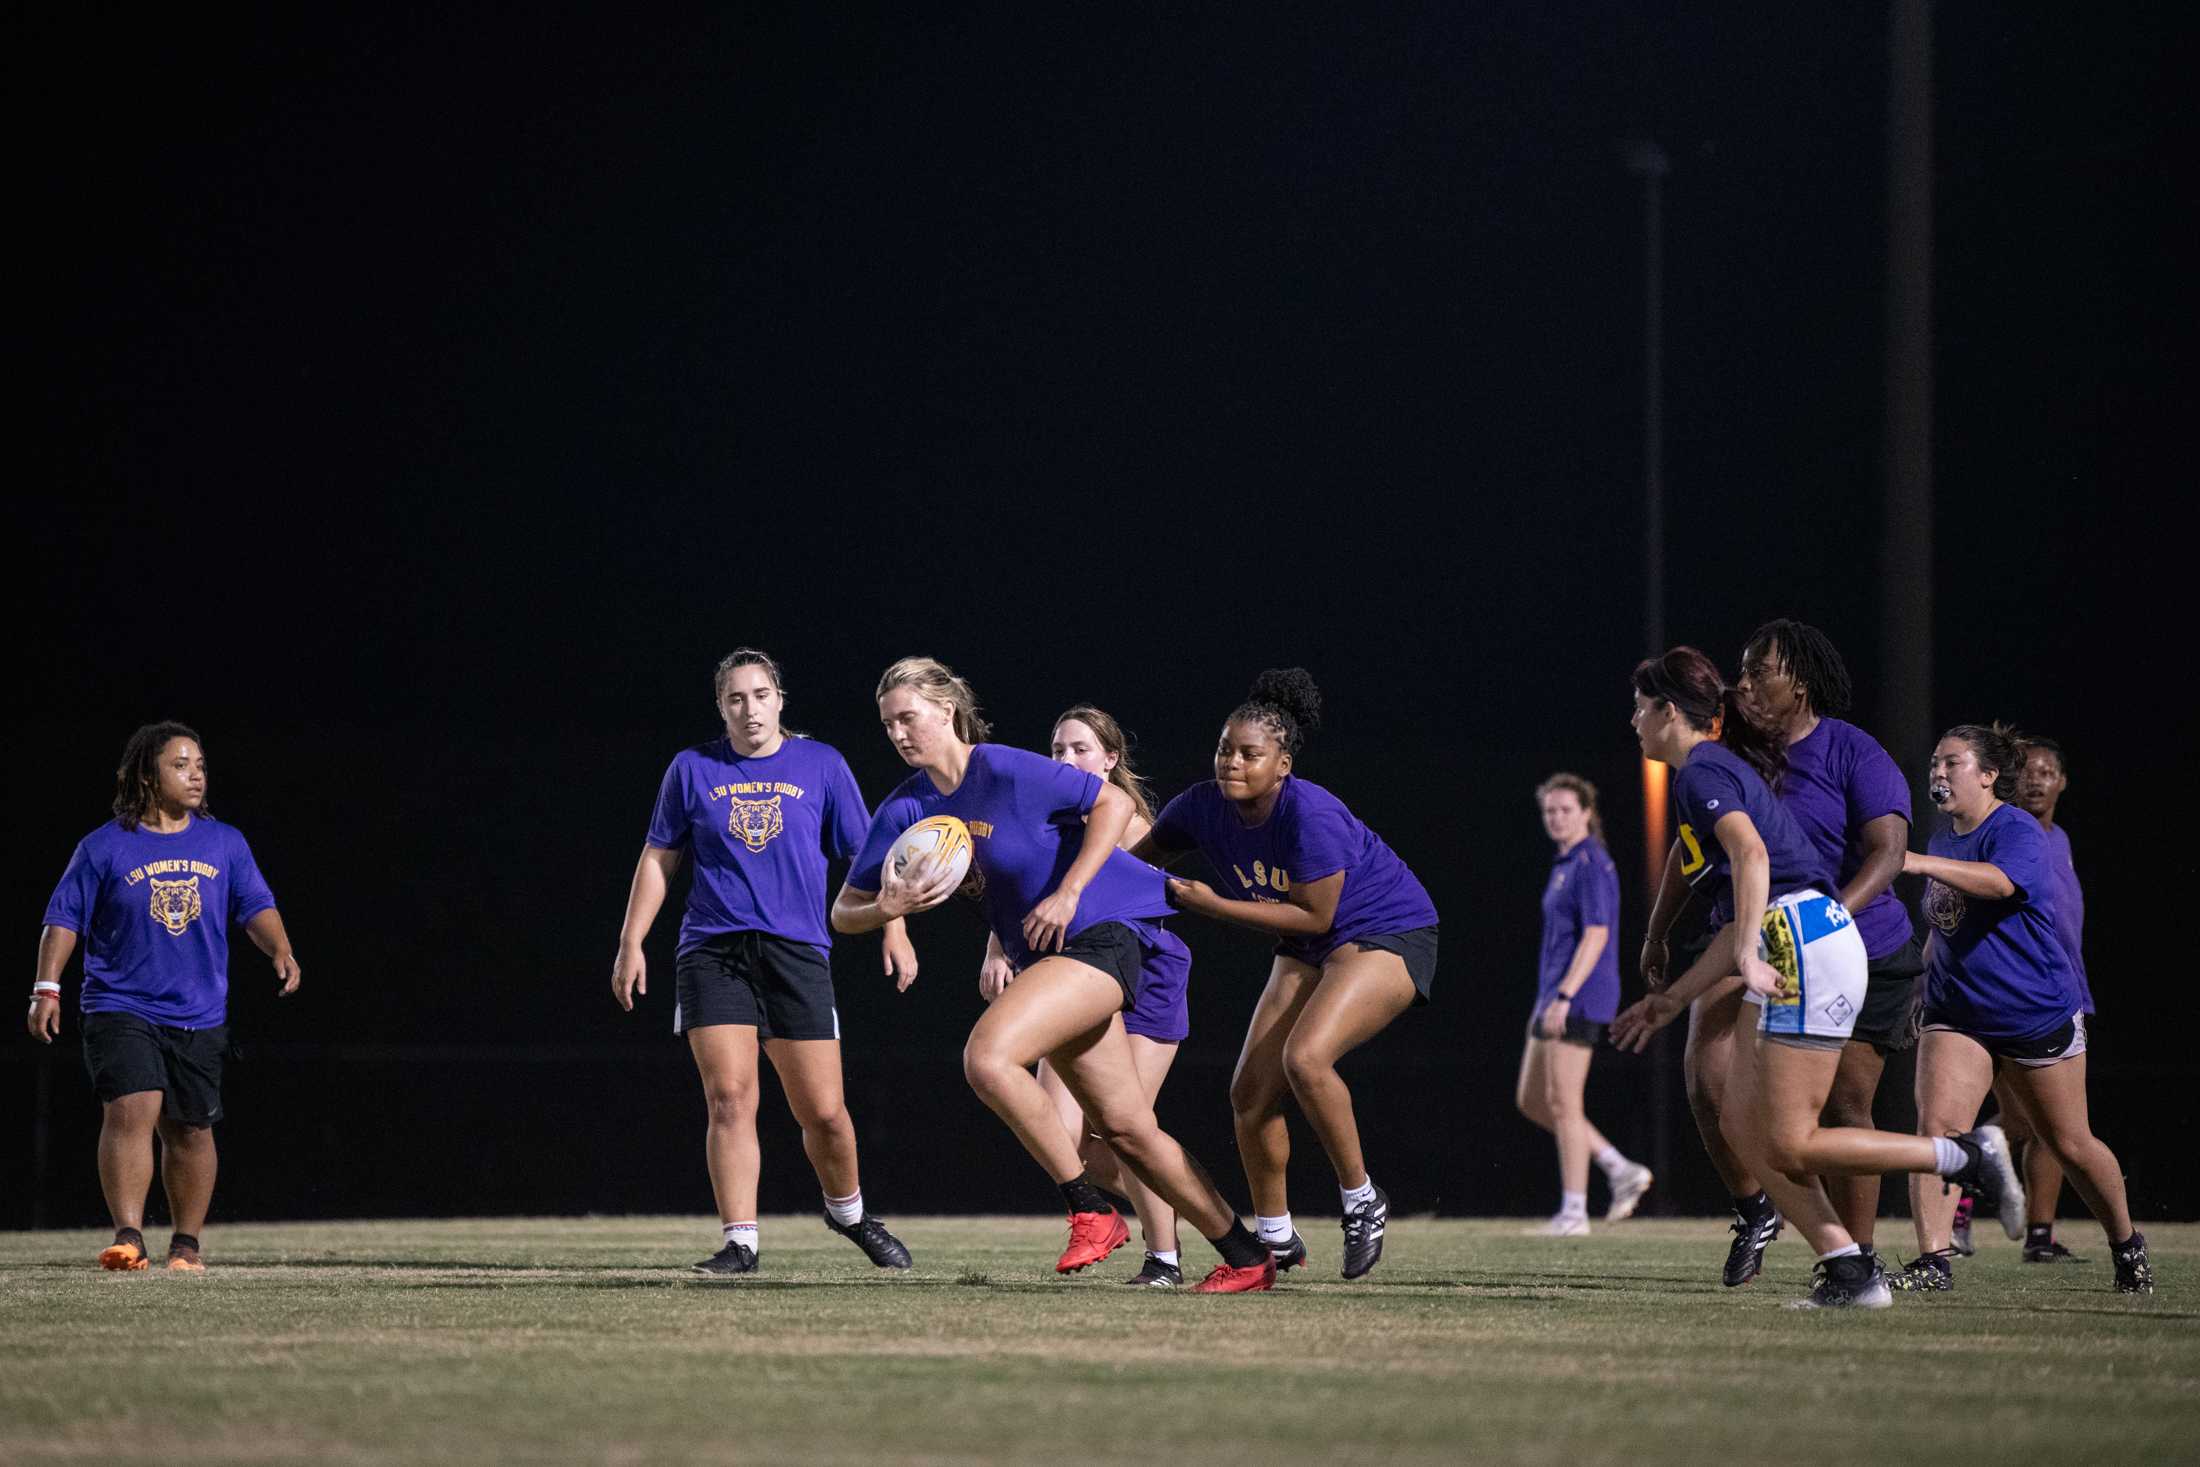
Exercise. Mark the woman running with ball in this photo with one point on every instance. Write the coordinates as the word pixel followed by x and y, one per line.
pixel 762 809
pixel 1091 740
pixel 1356 947
pixel 1079 919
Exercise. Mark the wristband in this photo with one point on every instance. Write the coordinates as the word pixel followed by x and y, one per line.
pixel 39 990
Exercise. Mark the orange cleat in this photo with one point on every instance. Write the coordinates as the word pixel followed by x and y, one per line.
pixel 185 1260
pixel 123 1258
pixel 1254 1278
pixel 1092 1237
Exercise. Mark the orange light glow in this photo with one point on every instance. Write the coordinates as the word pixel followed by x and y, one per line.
pixel 1655 836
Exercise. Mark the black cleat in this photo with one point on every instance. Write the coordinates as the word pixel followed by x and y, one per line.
pixel 1363 1234
pixel 728 1261
pixel 1856 1282
pixel 1991 1175
pixel 878 1245
pixel 2049 1252
pixel 1746 1256
pixel 1290 1255
pixel 2134 1274
pixel 1156 1275
pixel 1928 1273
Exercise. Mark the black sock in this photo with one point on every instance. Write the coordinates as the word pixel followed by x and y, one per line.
pixel 1239 1248
pixel 1755 1209
pixel 183 1240
pixel 1083 1196
pixel 2037 1234
pixel 131 1236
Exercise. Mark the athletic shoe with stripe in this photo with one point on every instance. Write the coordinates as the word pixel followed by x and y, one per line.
pixel 1928 1273
pixel 1855 1282
pixel 1363 1234
pixel 1745 1256
pixel 1092 1237
pixel 2134 1274
pixel 732 1259
pixel 1989 1170
pixel 1252 1279
pixel 1289 1255
pixel 878 1245
pixel 1154 1274
pixel 1628 1190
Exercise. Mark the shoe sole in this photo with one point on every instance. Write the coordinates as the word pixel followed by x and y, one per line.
pixel 2010 1206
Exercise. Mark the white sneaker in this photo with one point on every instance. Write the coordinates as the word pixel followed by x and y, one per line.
pixel 1561 1226
pixel 1628 1189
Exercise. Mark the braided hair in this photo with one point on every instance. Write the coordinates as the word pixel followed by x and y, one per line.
pixel 1809 656
pixel 1284 701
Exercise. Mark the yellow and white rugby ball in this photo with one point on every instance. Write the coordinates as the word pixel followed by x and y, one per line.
pixel 940 835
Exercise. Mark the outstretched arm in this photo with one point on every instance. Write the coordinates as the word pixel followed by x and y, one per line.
pixel 1982 879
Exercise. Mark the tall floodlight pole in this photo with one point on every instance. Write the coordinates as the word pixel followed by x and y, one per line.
pixel 1647 161
pixel 1906 544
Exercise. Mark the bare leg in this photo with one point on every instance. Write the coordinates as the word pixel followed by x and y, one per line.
pixel 725 1056
pixel 2043 1173
pixel 1258 1087
pixel 126 1155
pixel 1357 997
pixel 1953 1075
pixel 2054 1098
pixel 1156 1219
pixel 1776 1091
pixel 1711 1022
pixel 1102 1073
pixel 1100 1163
pixel 187 1166
pixel 1566 1076
pixel 1855 1084
pixel 1053 1003
pixel 809 1071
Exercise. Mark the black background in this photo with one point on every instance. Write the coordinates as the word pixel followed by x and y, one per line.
pixel 421 406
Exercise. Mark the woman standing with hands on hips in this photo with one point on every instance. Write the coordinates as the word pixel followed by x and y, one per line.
pixel 1079 919
pixel 762 809
pixel 1577 991
pixel 1356 947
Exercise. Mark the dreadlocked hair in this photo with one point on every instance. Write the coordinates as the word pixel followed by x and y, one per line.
pixel 1114 741
pixel 1809 656
pixel 1689 681
pixel 137 777
pixel 1999 747
pixel 1284 701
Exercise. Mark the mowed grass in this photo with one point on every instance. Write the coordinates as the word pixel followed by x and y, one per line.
pixel 589 1340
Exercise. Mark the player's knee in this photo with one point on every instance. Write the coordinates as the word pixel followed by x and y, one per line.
pixel 730 1104
pixel 1307 1068
pixel 1255 1095
pixel 988 1071
pixel 1128 1134
pixel 1848 1110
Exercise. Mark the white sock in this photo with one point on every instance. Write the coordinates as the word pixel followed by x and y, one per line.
pixel 1163 1255
pixel 1610 1162
pixel 1355 1196
pixel 848 1210
pixel 1852 1251
pixel 742 1233
pixel 1275 1229
pixel 1573 1204
pixel 1948 1157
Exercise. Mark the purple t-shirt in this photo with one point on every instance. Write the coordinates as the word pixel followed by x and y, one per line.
pixel 1307 836
pixel 1026 816
pixel 1998 969
pixel 1713 784
pixel 761 830
pixel 154 913
pixel 2069 908
pixel 1838 780
pixel 1583 892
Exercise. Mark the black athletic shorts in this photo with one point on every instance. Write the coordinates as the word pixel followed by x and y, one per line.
pixel 1577 1030
pixel 125 1054
pixel 1113 948
pixel 1417 947
pixel 782 987
pixel 1887 1020
pixel 2066 1041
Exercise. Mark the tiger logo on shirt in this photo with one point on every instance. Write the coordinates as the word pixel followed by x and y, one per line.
pixel 755 822
pixel 1944 906
pixel 175 904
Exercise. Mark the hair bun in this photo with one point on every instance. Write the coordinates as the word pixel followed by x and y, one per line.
pixel 1290 690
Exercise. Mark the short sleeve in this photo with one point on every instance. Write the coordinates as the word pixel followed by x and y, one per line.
pixel 895 816
pixel 2016 845
pixel 248 891
pixel 1176 827
pixel 76 896
pixel 847 818
pixel 1707 793
pixel 1045 791
pixel 1596 895
pixel 668 823
pixel 1324 839
pixel 1875 785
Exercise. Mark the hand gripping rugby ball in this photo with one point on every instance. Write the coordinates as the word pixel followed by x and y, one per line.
pixel 940 835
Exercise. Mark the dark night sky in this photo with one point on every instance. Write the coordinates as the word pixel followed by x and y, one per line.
pixel 420 406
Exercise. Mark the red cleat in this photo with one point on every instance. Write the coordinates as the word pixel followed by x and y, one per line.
pixel 1092 1237
pixel 1254 1278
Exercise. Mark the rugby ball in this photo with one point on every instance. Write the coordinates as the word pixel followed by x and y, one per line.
pixel 940 835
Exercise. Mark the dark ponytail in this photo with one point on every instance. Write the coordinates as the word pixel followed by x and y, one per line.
pixel 1284 701
pixel 1689 681
pixel 1999 748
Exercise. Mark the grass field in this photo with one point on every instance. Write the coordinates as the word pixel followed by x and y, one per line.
pixel 587 1340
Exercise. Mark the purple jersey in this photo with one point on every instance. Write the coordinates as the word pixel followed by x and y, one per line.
pixel 1307 836
pixel 1026 816
pixel 1838 780
pixel 154 913
pixel 2069 908
pixel 1583 892
pixel 1712 785
pixel 1998 969
pixel 760 829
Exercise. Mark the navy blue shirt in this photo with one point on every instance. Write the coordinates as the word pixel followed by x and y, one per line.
pixel 1713 784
